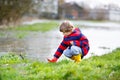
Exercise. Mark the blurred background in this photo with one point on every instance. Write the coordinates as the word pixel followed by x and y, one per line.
pixel 11 11
pixel 98 19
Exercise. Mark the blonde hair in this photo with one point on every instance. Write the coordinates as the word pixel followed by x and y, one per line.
pixel 66 26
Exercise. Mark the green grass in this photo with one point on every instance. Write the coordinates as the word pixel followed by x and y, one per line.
pixel 21 34
pixel 106 67
pixel 2 34
pixel 45 26
pixel 23 30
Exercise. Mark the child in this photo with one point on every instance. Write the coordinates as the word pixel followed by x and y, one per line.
pixel 74 45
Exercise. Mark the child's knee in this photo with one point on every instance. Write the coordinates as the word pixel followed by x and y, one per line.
pixel 67 53
pixel 75 49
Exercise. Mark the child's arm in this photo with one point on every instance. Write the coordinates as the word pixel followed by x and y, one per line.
pixel 59 52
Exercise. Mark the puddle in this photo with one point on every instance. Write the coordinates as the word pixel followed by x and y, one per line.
pixel 40 46
pixel 102 41
pixel 37 45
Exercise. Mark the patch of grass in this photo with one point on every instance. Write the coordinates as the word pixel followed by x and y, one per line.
pixel 10 58
pixel 23 30
pixel 21 35
pixel 106 67
pixel 45 26
pixel 15 34
pixel 2 34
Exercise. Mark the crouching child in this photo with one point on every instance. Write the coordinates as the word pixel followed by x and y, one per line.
pixel 74 45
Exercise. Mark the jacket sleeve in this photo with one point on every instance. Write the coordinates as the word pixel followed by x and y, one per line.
pixel 60 49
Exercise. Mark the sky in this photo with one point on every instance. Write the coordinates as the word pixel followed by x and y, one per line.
pixel 96 2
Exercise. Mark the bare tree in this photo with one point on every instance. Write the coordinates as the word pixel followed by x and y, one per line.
pixel 12 10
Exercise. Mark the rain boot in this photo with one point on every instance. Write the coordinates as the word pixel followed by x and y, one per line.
pixel 76 58
pixel 73 58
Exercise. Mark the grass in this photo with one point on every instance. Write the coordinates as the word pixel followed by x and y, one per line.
pixel 106 67
pixel 2 34
pixel 45 26
pixel 21 34
pixel 23 30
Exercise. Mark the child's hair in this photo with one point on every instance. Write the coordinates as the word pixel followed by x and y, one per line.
pixel 66 26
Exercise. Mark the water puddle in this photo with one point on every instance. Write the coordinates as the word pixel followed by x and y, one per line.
pixel 37 45
pixel 40 46
pixel 102 41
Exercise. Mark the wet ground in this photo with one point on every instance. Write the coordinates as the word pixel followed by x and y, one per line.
pixel 42 45
pixel 36 45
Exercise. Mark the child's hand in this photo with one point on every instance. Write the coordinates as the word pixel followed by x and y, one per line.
pixel 53 60
pixel 71 42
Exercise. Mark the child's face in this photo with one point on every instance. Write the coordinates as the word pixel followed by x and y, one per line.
pixel 67 33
